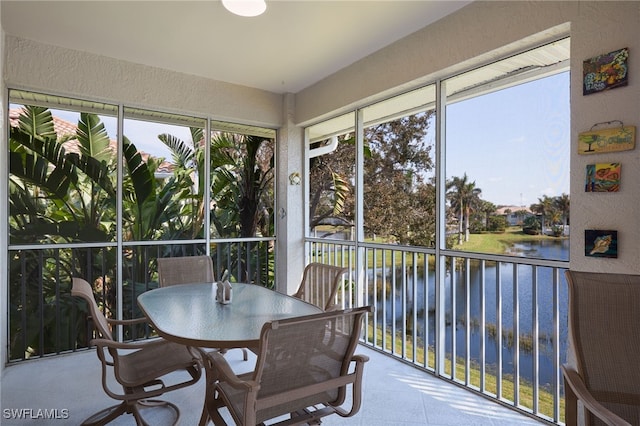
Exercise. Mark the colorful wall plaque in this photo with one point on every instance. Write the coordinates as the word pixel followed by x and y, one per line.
pixel 607 140
pixel 603 177
pixel 605 72
pixel 599 243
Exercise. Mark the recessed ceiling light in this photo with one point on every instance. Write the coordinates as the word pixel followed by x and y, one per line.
pixel 245 7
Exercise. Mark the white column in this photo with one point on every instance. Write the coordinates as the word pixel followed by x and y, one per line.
pixel 289 202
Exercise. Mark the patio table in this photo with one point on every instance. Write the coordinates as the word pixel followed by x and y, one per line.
pixel 189 314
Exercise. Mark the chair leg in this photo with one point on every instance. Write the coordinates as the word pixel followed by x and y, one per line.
pixel 570 407
pixel 150 403
pixel 105 416
pixel 245 356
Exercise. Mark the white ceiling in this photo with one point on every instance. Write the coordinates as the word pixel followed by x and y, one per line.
pixel 291 46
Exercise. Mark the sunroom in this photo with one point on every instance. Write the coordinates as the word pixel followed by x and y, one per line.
pixel 359 168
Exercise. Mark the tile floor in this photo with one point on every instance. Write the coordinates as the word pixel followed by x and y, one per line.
pixel 394 394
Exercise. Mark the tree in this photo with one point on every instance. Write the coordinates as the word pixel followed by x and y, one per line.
pixel 464 197
pixel 331 179
pixel 562 204
pixel 399 196
pixel 488 209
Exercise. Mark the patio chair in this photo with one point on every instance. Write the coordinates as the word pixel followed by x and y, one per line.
pixel 602 375
pixel 185 270
pixel 320 283
pixel 139 367
pixel 188 270
pixel 302 370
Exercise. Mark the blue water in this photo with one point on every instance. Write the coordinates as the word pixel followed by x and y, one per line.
pixel 547 374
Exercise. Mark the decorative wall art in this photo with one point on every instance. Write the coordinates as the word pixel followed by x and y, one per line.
pixel 621 138
pixel 603 177
pixel 598 243
pixel 605 72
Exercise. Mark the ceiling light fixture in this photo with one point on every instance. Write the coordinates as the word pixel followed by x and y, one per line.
pixel 245 7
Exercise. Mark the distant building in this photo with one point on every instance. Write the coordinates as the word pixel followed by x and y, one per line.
pixel 515 215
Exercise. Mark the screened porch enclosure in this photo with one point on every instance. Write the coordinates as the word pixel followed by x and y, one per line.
pixel 102 191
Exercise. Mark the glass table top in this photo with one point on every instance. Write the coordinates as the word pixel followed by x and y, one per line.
pixel 190 314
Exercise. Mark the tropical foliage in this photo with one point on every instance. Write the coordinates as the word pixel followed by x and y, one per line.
pixel 553 213
pixel 63 188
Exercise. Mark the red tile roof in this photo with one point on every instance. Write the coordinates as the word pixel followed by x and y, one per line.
pixel 64 128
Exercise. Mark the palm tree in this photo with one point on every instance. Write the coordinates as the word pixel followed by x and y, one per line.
pixel 487 208
pixel 562 203
pixel 464 197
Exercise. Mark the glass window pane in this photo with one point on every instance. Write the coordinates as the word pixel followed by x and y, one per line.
pixel 399 165
pixel 332 156
pixel 507 167
pixel 62 182
pixel 163 172
pixel 242 185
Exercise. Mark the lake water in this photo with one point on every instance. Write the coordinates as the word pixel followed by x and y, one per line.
pixel 557 250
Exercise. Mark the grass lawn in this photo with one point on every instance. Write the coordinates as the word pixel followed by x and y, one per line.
pixel 497 243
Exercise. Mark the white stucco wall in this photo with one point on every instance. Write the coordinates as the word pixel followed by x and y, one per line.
pixel 485 30
pixel 30 64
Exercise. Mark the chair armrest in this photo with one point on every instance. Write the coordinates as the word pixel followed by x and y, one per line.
pixel 359 358
pixel 575 382
pixel 106 343
pixel 224 373
pixel 333 307
pixel 133 321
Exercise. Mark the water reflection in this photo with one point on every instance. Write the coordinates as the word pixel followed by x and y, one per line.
pixel 498 302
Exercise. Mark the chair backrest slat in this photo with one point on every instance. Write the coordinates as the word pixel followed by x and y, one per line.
pixel 185 270
pixel 320 284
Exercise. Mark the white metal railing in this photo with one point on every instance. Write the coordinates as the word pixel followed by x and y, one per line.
pixel 494 324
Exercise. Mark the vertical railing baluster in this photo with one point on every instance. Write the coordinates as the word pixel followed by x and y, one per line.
pixel 467 321
pixel 426 311
pixel 58 332
pixel 499 329
pixel 516 336
pixel 536 340
pixel 403 298
pixel 374 289
pixel 40 298
pixel 394 313
pixel 384 299
pixel 414 317
pixel 483 327
pixel 454 312
pixel 556 344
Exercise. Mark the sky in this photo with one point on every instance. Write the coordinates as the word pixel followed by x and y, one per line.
pixel 514 143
